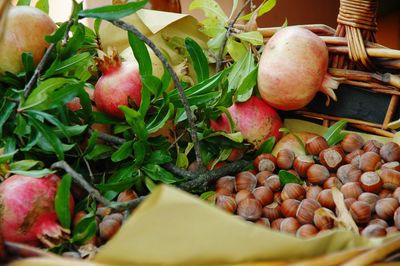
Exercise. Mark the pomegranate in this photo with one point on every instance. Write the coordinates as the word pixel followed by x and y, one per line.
pixel 292 141
pixel 25 30
pixel 158 68
pixel 254 119
pixel 27 210
pixel 120 84
pixel 293 68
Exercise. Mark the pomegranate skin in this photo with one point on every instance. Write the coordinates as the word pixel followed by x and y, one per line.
pixel 27 210
pixel 255 119
pixel 293 68
pixel 118 86
pixel 26 28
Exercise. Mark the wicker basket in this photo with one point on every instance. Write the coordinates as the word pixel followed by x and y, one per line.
pixel 368 97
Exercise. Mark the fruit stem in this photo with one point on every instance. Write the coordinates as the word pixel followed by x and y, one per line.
pixel 190 115
pixel 329 84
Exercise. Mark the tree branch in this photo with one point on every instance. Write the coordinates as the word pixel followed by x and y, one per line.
pixel 227 34
pixel 29 86
pixel 190 115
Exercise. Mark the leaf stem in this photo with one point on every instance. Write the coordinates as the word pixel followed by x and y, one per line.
pixel 29 86
pixel 190 115
pixel 227 34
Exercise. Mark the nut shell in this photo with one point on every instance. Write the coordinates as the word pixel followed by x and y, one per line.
pixel 374 230
pixel 325 198
pixel 108 228
pixel 242 195
pixel 289 207
pixel 276 224
pixel 306 209
pixel 272 211
pixel 274 183
pixel 265 162
pixel 350 156
pixel 302 163
pixel 317 174
pixel 264 195
pixel 226 203
pixel 386 207
pixel 369 161
pixel 315 145
pixel 390 152
pixel 262 177
pixel 351 190
pixel 323 218
pixel 289 225
pixel 293 191
pixel 348 173
pixel 331 182
pixel 371 182
pixel 306 231
pixel 352 142
pixel 361 212
pixel 250 209
pixel 227 183
pixel 396 218
pixel 369 198
pixel 245 180
pixel 285 159
pixel 373 146
pixel 332 157
pixel 390 178
pixel 312 192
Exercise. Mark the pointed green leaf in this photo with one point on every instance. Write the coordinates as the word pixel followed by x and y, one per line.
pixel 43 5
pixel 123 152
pixel 334 131
pixel 113 12
pixel 267 146
pixel 62 201
pixel 245 89
pixel 24 165
pixel 266 7
pixel 286 177
pixel 23 2
pixel 198 59
pixel 210 7
pixel 253 37
pixel 34 173
pixel 141 54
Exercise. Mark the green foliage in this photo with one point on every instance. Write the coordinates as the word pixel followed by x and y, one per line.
pixel 113 12
pixel 62 201
pixel 286 177
pixel 334 133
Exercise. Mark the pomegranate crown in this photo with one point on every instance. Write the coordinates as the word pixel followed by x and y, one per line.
pixel 108 62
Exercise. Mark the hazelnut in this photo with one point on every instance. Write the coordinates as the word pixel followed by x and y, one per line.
pixel 369 161
pixel 351 190
pixel 396 218
pixel 264 195
pixel 350 156
pixel 315 145
pixel 348 173
pixel 262 177
pixel 325 198
pixel 276 224
pixel 272 211
pixel 361 212
pixel 386 207
pixel 289 207
pixel 371 182
pixel 369 198
pixel 391 165
pixel 396 194
pixel 332 157
pixel 115 216
pixel 250 209
pixel 302 163
pixel 243 194
pixel 108 228
pixel 390 178
pixel 264 222
pixel 374 230
pixel 381 222
pixel 331 182
pixel 352 142
pixel 277 197
pixel 372 146
pixel 313 191
pixel 385 193
pixel 391 230
pixel 289 225
pixel 390 152
pixel 349 201
pixel 103 211
pixel 245 180
pixel 227 183
pixel 285 159
pixel 293 191
pixel 227 203
pixel 305 211
pixel 273 182
pixel 293 172
pixel 306 230
pixel 323 218
pixel 224 191
pixel 317 174
pixel 265 162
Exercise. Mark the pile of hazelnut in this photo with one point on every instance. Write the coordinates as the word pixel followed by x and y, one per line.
pixel 366 173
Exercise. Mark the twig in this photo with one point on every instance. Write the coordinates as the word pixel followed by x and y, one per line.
pixel 29 86
pixel 227 34
pixel 86 163
pixel 81 181
pixel 108 137
pixel 179 171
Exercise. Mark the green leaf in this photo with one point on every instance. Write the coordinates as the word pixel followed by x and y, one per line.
pixel 157 173
pixel 23 2
pixel 206 195
pixel 139 148
pixel 212 27
pixel 286 177
pixel 58 34
pixel 141 54
pixel 21 126
pixel 135 120
pixel 34 173
pixel 24 165
pixel 76 8
pixel 334 131
pixel 198 58
pixel 43 5
pixel 245 89
pixel 161 118
pixel 70 64
pixel 159 157
pixel 99 152
pixel 97 24
pixel 85 229
pixel 234 7
pixel 145 101
pixel 6 110
pixel 267 146
pixel 123 152
pixel 7 157
pixel 236 49
pixel 152 84
pixel 149 184
pixel 253 37
pixel 266 7
pixel 49 135
pixel 113 12
pixel 337 138
pixel 27 61
pixel 92 142
pixel 211 9
pixel 235 136
pixel 42 95
pixel 182 160
pixel 240 70
pixel 62 201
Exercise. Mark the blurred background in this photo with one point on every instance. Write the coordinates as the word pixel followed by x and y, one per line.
pixel 296 12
